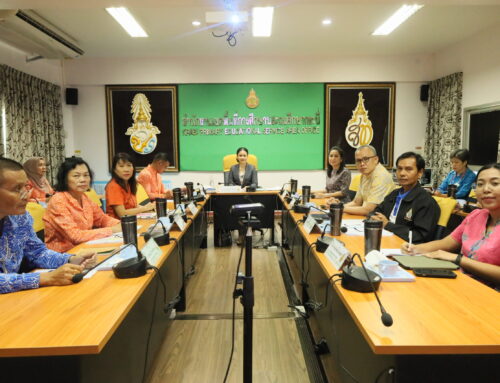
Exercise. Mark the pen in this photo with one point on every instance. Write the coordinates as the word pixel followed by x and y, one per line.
pixel 410 239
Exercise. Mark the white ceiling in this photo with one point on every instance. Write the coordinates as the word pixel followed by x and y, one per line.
pixel 297 28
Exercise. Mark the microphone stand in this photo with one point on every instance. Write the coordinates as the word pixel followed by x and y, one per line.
pixel 247 297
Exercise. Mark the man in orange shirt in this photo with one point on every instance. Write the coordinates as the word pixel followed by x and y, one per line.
pixel 150 178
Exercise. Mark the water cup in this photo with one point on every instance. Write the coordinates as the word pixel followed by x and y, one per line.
pixel 306 194
pixel 388 267
pixel 129 229
pixel 161 207
pixel 336 211
pixel 373 235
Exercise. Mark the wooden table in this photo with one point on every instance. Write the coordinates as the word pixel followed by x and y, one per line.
pixel 444 329
pixel 100 330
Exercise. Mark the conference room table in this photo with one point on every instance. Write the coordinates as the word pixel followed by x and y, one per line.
pixel 444 330
pixel 102 329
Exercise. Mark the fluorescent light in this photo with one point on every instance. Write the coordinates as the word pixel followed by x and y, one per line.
pixel 326 21
pixel 262 21
pixel 196 23
pixel 127 21
pixel 235 19
pixel 397 19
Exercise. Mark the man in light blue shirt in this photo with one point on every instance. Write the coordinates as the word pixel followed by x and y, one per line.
pixel 18 240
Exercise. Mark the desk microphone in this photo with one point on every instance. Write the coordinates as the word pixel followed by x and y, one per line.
pixel 78 277
pixel 160 239
pixel 283 187
pixel 352 280
pixel 323 242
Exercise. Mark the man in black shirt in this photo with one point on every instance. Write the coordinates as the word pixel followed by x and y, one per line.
pixel 409 208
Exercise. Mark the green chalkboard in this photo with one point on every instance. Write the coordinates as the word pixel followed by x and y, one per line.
pixel 282 124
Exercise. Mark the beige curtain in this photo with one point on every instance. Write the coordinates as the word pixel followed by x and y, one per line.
pixel 33 118
pixel 444 117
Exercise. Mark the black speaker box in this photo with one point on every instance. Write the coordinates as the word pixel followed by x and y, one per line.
pixel 71 96
pixel 424 93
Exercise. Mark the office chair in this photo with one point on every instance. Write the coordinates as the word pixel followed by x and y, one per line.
pixel 230 160
pixel 141 194
pixel 37 211
pixel 354 187
pixel 446 205
pixel 94 197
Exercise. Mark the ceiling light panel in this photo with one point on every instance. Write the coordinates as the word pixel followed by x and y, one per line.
pixel 262 21
pixel 127 21
pixel 399 17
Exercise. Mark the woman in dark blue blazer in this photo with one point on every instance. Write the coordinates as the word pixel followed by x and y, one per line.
pixel 243 173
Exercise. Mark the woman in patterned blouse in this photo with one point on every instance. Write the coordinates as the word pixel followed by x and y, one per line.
pixel 338 178
pixel 475 244
pixel 71 217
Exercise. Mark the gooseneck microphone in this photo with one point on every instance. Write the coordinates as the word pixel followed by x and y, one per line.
pixel 78 277
pixel 386 317
pixel 160 239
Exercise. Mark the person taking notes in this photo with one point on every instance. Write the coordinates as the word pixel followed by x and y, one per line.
pixel 475 244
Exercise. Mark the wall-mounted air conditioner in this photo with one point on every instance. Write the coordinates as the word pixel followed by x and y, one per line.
pixel 27 31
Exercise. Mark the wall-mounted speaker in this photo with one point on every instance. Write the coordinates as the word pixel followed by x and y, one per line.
pixel 424 93
pixel 71 96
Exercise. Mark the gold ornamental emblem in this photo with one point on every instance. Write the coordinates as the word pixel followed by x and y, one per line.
pixel 142 133
pixel 252 100
pixel 359 129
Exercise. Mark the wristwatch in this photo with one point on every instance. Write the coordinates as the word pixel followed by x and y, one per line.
pixel 458 259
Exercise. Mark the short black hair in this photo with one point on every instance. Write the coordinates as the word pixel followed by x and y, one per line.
pixel 162 156
pixel 461 154
pixel 342 164
pixel 68 165
pixel 419 160
pixel 132 181
pixel 8 164
pixel 486 167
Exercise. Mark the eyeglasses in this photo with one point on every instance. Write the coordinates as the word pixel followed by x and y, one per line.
pixel 363 160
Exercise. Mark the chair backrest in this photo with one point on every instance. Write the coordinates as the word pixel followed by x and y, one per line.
pixel 94 197
pixel 36 211
pixel 141 194
pixel 447 205
pixel 230 160
pixel 355 181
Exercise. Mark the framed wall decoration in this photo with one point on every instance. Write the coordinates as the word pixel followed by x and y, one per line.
pixel 359 114
pixel 142 121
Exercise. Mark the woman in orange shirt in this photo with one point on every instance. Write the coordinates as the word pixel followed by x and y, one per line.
pixel 39 186
pixel 120 191
pixel 71 217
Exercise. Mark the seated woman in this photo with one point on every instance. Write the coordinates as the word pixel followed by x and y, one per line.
pixel 120 191
pixel 243 173
pixel 460 175
pixel 338 178
pixel 71 217
pixel 477 239
pixel 39 186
